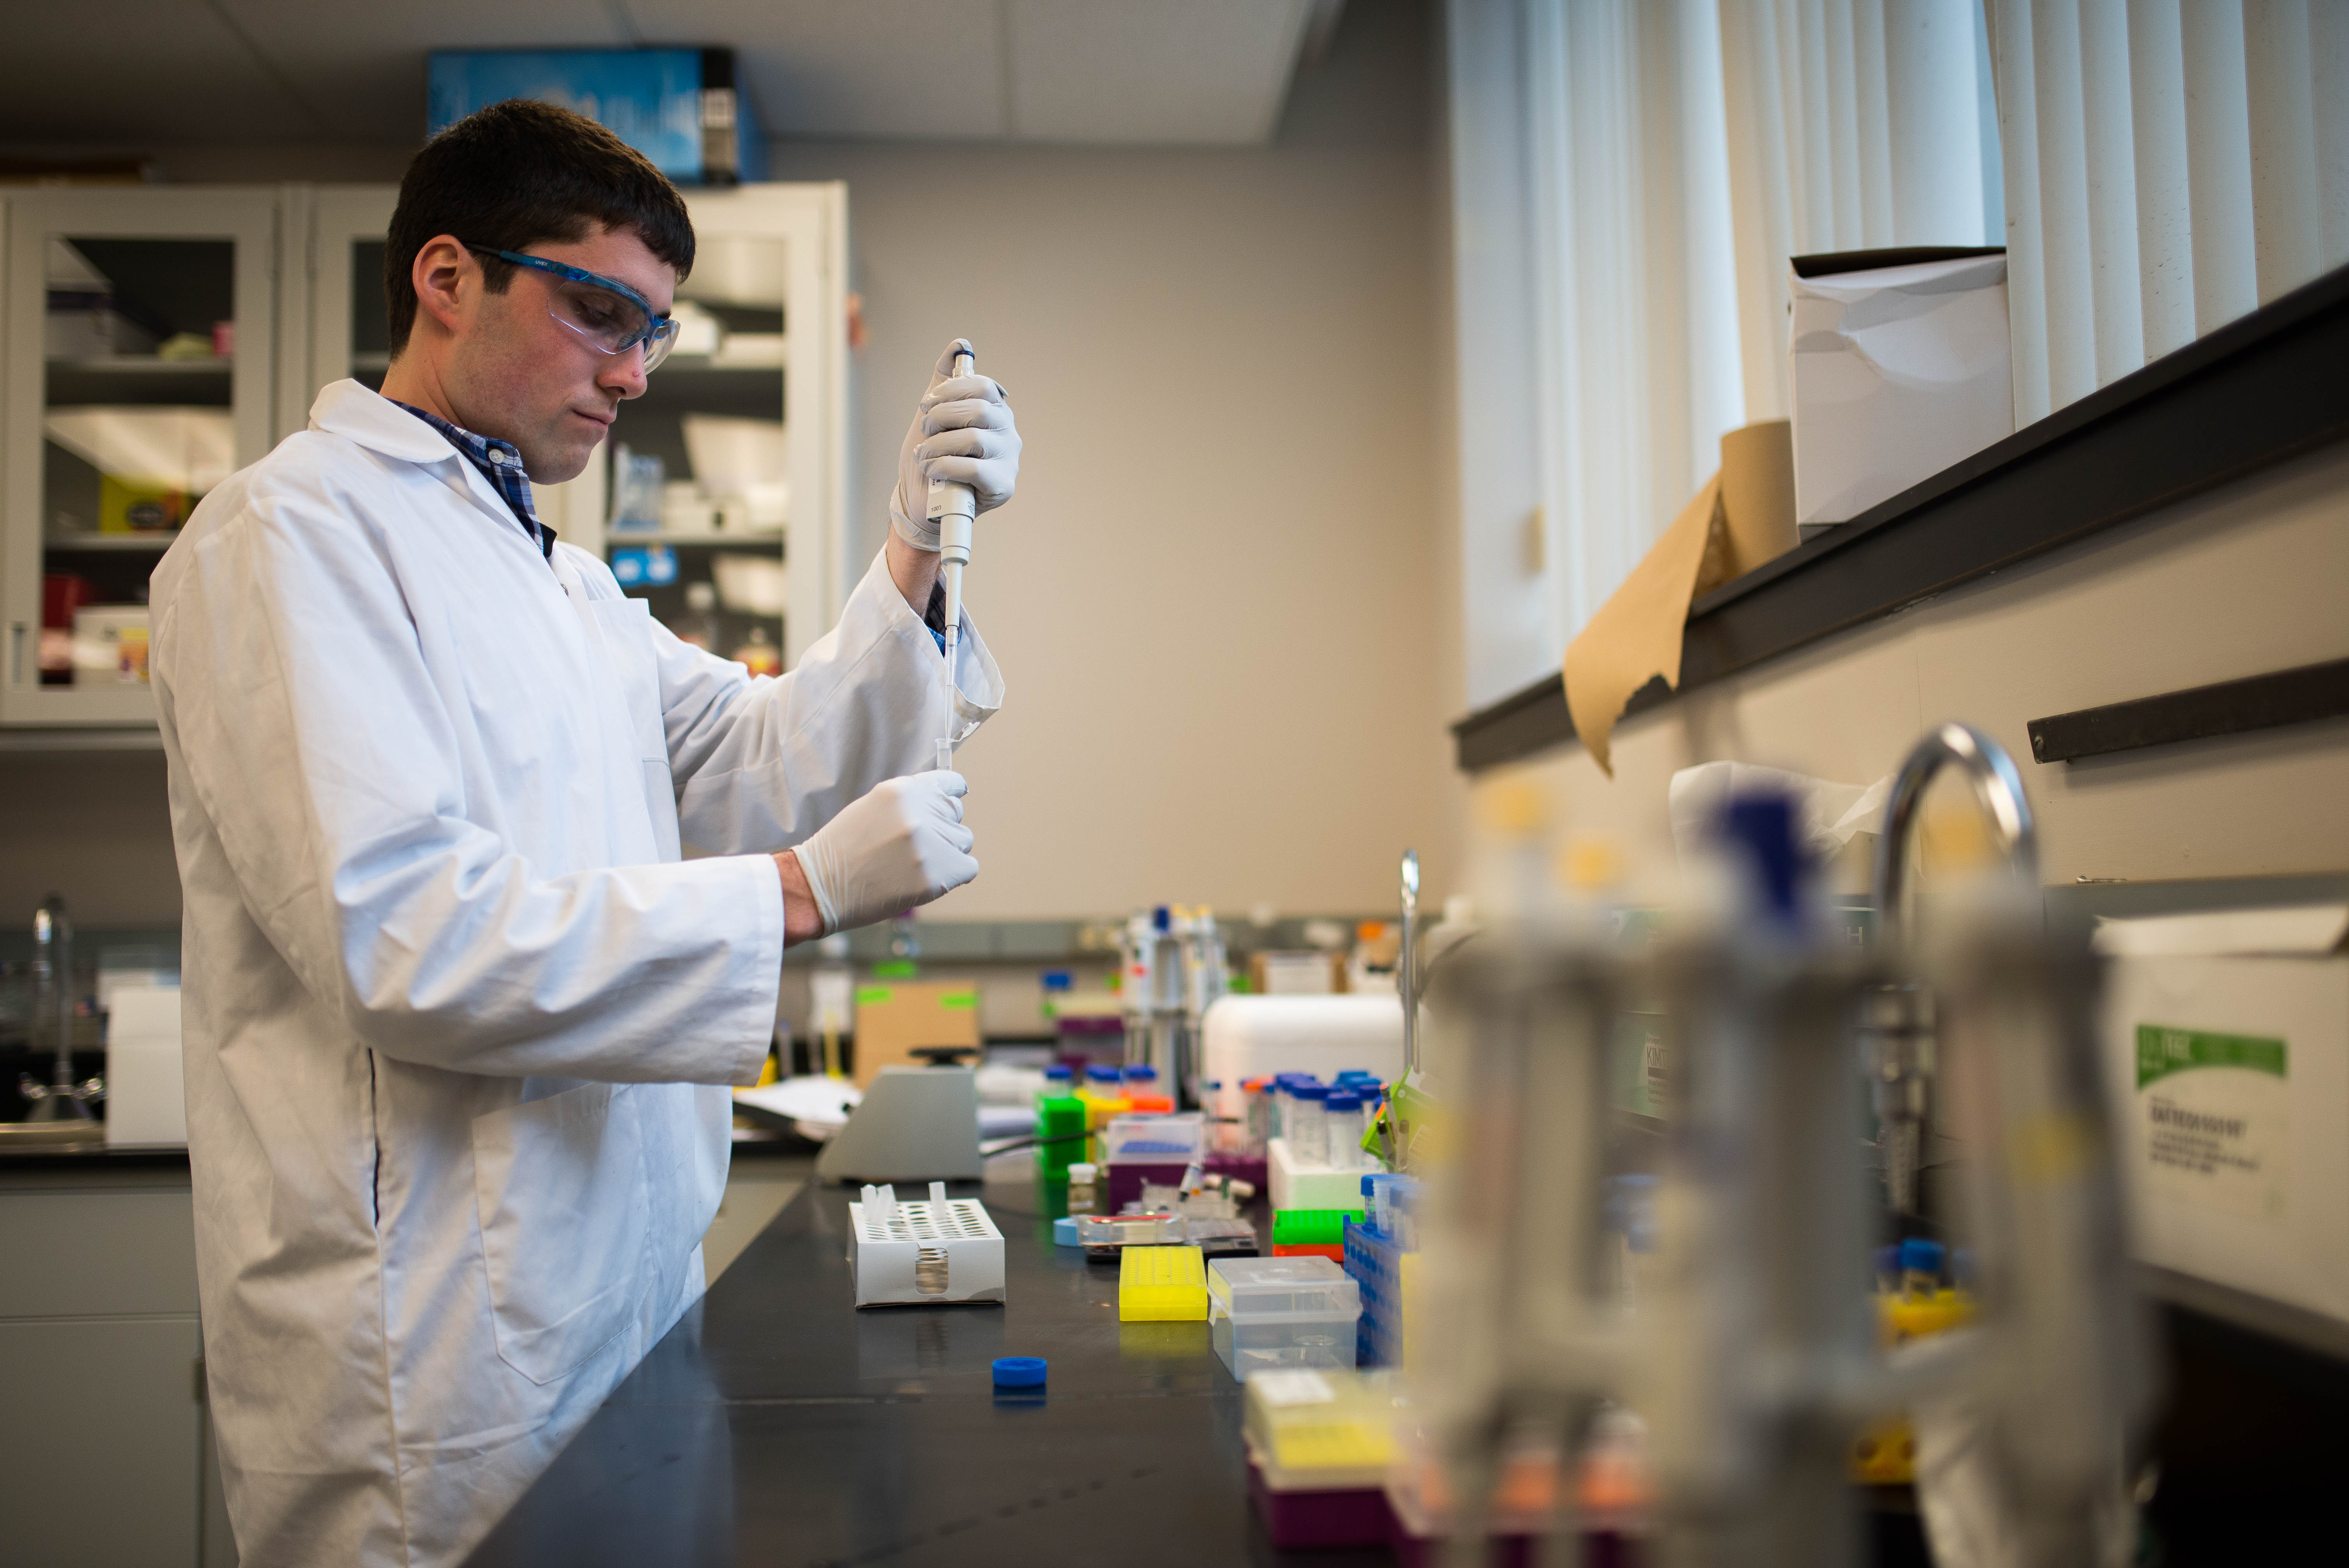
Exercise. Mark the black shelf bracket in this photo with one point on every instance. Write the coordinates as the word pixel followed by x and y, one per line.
pixel 2299 696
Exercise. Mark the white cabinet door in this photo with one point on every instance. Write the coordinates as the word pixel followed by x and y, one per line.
pixel 137 368
pixel 338 317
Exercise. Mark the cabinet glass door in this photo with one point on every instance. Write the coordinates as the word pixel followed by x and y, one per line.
pixel 349 327
pixel 137 377
pixel 721 508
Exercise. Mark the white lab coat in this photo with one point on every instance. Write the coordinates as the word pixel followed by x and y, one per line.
pixel 455 1011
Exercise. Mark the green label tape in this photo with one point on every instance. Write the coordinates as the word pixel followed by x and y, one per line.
pixel 873 996
pixel 2163 1051
pixel 958 1001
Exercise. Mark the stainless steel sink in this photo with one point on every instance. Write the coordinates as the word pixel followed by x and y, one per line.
pixel 29 1134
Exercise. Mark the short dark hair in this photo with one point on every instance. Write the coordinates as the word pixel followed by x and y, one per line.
pixel 518 173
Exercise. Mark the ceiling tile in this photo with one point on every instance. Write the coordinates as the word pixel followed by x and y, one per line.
pixel 883 69
pixel 132 71
pixel 362 67
pixel 1148 71
pixel 180 72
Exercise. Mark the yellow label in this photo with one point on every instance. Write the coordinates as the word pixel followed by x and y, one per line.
pixel 1330 1445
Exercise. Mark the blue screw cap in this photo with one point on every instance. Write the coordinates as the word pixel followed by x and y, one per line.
pixel 1922 1254
pixel 1019 1372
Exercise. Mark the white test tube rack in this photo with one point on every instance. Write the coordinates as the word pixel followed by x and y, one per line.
pixel 914 1254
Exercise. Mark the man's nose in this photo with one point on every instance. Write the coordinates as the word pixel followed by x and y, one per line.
pixel 624 373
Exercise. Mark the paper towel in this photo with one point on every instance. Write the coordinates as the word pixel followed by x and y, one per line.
pixel 1742 518
pixel 1833 814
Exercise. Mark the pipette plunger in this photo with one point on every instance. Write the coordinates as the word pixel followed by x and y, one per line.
pixel 952 506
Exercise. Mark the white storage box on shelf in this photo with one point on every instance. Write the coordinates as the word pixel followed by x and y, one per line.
pixel 907 1254
pixel 1256 1036
pixel 2227 1051
pixel 1296 1185
pixel 1268 1313
pixel 1897 369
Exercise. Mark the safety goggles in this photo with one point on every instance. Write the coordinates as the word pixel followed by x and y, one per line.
pixel 612 316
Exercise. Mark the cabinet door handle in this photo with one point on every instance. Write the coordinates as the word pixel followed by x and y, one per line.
pixel 17 654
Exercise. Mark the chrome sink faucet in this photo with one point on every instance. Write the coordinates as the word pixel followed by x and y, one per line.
pixel 62 1099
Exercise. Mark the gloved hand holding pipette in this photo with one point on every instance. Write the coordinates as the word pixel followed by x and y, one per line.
pixel 962 433
pixel 961 458
pixel 895 848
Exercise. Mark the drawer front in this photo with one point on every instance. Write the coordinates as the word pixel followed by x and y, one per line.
pixel 86 1255
pixel 102 1445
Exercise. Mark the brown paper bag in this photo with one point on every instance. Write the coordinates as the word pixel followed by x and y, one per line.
pixel 1742 517
pixel 1636 635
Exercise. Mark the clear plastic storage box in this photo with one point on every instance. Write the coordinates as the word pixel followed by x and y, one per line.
pixel 1270 1313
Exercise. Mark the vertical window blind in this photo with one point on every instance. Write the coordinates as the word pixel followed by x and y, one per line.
pixel 2170 165
pixel 1628 180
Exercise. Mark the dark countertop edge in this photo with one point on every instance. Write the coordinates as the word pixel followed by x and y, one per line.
pixel 97 1158
pixel 2257 392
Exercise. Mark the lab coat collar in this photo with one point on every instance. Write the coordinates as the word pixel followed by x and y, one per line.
pixel 349 410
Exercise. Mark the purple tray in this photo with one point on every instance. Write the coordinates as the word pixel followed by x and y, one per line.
pixel 1602 1550
pixel 1300 1520
pixel 1125 1181
pixel 1251 1171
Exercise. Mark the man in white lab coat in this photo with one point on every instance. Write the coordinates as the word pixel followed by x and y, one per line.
pixel 459 1018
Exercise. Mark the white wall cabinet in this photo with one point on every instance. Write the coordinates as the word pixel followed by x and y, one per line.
pixel 116 413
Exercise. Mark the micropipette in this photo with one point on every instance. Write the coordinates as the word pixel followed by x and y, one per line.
pixel 952 506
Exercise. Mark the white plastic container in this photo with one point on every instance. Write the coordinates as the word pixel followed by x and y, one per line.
pixel 908 1254
pixel 1261 1036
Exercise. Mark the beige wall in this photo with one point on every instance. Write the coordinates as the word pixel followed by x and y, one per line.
pixel 93 826
pixel 2238 583
pixel 1219 597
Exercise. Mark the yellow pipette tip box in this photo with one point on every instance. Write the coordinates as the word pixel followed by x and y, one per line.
pixel 1162 1284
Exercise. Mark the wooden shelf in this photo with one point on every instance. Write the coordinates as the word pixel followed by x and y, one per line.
pixel 76 543
pixel 612 540
pixel 143 365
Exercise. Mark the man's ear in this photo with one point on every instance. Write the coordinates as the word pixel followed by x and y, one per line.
pixel 446 277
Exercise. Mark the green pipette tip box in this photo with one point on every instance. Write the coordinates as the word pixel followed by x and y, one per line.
pixel 1058 1120
pixel 1312 1227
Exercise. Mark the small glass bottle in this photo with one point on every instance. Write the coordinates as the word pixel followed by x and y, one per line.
pixel 759 655
pixel 1084 1188
pixel 698 624
pixel 1256 1096
pixel 1308 1123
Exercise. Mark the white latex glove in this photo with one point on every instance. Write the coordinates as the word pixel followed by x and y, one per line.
pixel 901 844
pixel 962 431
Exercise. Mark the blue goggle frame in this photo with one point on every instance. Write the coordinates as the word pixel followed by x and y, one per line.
pixel 658 335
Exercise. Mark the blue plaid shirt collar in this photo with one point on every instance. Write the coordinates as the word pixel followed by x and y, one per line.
pixel 501 464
